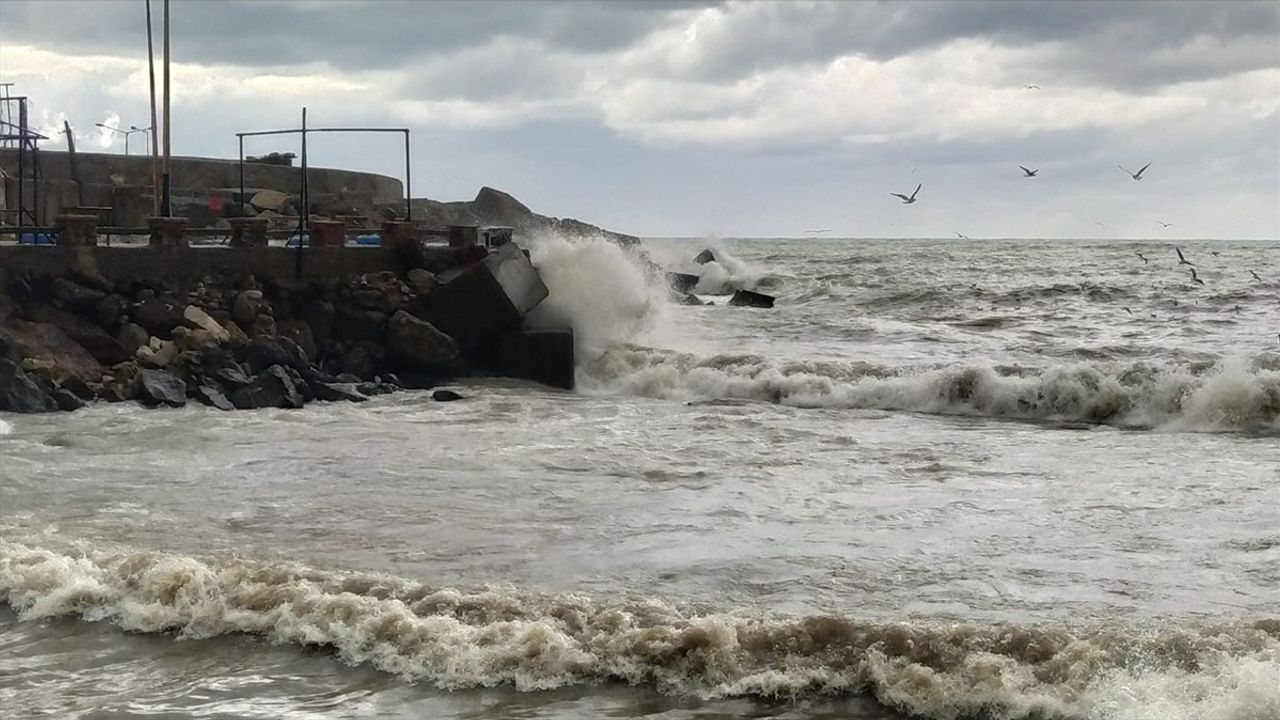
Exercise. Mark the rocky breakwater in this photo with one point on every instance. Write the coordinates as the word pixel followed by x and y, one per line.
pixel 237 341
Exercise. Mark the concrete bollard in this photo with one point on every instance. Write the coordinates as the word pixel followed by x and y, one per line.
pixel 463 235
pixel 248 232
pixel 396 233
pixel 77 230
pixel 328 233
pixel 168 232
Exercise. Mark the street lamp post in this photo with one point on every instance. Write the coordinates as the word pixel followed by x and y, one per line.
pixel 126 133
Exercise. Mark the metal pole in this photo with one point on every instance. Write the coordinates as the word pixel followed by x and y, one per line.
pixel 304 214
pixel 155 139
pixel 22 151
pixel 408 183
pixel 243 209
pixel 167 200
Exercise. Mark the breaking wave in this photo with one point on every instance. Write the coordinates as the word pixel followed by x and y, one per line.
pixel 502 636
pixel 5 428
pixel 599 289
pixel 1227 397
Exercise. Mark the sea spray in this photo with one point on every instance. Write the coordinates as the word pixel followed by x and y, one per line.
pixel 599 289
pixel 455 638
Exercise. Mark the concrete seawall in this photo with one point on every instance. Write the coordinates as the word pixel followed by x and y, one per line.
pixel 123 183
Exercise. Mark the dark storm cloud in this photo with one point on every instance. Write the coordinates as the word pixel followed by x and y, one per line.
pixel 1127 45
pixel 353 36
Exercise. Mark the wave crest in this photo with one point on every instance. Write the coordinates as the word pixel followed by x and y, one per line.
pixel 1226 397
pixel 458 639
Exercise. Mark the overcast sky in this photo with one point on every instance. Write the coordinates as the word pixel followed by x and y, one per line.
pixel 730 119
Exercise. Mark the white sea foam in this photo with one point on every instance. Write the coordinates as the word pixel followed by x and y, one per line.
pixel 458 639
pixel 1231 397
pixel 5 428
pixel 599 289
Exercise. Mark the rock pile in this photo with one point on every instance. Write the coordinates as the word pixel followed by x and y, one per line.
pixel 243 343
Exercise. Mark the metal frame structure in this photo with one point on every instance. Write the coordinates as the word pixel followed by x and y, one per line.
pixel 27 143
pixel 304 190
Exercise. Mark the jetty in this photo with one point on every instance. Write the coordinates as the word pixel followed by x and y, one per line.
pixel 254 298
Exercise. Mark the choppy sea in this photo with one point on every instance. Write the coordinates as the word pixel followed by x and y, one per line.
pixel 940 479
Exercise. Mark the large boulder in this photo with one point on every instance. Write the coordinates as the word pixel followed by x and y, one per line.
pixel 379 291
pixel 66 400
pixel 156 387
pixel 132 336
pixel 157 353
pixel 19 393
pixel 263 352
pixel 417 343
pixel 318 315
pixel 109 311
pixel 74 295
pixel 46 343
pixel 198 319
pixel 356 324
pixel 248 305
pixel 219 365
pixel 422 281
pixel 212 396
pixel 104 348
pixel 300 332
pixel 362 360
pixel 334 392
pixel 158 317
pixel 704 257
pixel 271 388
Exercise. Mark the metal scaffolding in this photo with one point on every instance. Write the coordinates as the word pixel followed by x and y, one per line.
pixel 15 134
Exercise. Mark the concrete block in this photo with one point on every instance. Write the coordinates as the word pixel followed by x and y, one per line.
pixel 328 233
pixel 749 298
pixel 682 282
pixel 463 235
pixel 478 303
pixel 168 232
pixel 544 356
pixel 77 230
pixel 248 231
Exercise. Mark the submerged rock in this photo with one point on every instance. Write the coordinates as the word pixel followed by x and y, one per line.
pixel 333 392
pixel 749 298
pixel 445 396
pixel 704 257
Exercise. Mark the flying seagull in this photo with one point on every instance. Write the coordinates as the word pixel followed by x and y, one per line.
pixel 1255 276
pixel 1031 87
pixel 1182 260
pixel 962 236
pixel 1143 257
pixel 908 200
pixel 818 232
pixel 1165 224
pixel 1193 276
pixel 1029 172
pixel 1136 175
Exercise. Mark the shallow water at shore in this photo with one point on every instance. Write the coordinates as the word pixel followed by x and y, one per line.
pixel 893 493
